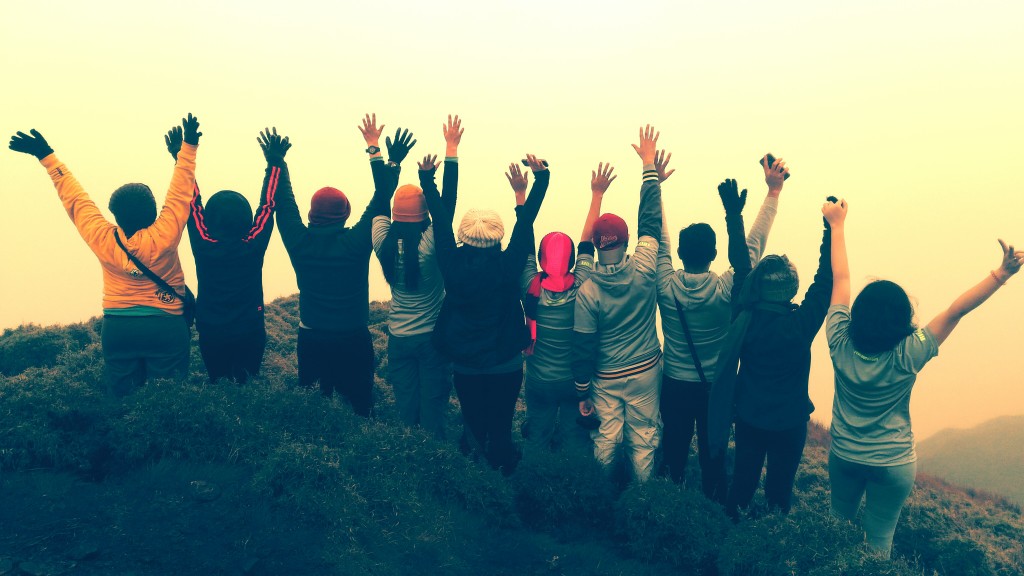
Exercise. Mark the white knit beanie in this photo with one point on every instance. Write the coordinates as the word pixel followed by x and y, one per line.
pixel 481 229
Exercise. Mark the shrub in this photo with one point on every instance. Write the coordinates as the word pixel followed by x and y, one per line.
pixel 563 491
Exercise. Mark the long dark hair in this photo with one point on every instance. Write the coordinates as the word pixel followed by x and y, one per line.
pixel 881 317
pixel 410 234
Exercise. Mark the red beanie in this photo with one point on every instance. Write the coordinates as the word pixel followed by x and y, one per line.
pixel 410 205
pixel 329 206
pixel 610 232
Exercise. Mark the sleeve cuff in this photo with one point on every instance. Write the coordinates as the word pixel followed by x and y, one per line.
pixel 586 247
pixel 376 158
pixel 583 390
pixel 451 159
pixel 50 161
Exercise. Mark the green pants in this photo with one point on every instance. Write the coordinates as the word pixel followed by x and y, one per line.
pixel 884 489
pixel 139 347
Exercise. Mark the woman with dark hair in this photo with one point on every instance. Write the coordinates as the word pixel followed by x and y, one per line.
pixel 144 333
pixel 404 244
pixel 481 327
pixel 771 341
pixel 549 300
pixel 877 352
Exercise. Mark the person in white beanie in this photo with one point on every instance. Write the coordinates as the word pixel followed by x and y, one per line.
pixel 481 328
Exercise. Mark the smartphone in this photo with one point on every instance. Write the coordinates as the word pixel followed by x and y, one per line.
pixel 544 162
pixel 833 199
pixel 771 160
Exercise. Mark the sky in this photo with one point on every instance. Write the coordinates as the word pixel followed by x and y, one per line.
pixel 910 110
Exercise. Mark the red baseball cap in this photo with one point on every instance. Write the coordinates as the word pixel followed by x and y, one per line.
pixel 610 232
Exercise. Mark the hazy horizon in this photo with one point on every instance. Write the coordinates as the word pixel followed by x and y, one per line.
pixel 910 111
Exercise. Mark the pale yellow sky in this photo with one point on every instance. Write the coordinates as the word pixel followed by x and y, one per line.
pixel 910 110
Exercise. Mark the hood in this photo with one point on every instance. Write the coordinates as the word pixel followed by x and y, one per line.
pixel 693 290
pixel 228 215
pixel 615 279
pixel 556 257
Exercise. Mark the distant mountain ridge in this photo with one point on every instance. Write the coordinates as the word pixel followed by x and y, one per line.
pixel 989 456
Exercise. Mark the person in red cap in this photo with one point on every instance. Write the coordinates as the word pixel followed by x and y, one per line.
pixel 549 300
pixel 332 266
pixel 616 360
pixel 404 243
pixel 481 328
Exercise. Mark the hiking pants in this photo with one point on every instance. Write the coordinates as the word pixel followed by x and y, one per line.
pixel 232 355
pixel 422 382
pixel 139 347
pixel 341 362
pixel 886 488
pixel 488 404
pixel 551 411
pixel 684 407
pixel 782 449
pixel 628 408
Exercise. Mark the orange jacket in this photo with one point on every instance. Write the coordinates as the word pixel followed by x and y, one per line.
pixel 124 286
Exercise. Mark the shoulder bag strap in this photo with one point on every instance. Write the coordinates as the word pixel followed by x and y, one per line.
pixel 689 341
pixel 149 273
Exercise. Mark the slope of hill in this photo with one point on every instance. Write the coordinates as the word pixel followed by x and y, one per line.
pixel 989 456
pixel 199 478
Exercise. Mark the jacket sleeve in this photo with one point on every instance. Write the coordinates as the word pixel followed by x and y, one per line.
pixel 450 184
pixel 665 268
pixel 584 262
pixel 444 238
pixel 263 224
pixel 92 226
pixel 173 217
pixel 529 273
pixel 287 213
pixel 649 229
pixel 739 254
pixel 521 241
pixel 814 307
pixel 585 340
pixel 757 240
pixel 385 181
pixel 197 234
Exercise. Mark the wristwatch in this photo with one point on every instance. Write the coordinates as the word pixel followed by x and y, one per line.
pixel 373 150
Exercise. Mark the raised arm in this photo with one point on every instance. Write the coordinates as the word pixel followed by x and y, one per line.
pixel 274 149
pixel 450 181
pixel 174 215
pixel 522 234
pixel 835 217
pixel 739 257
pixel 91 224
pixel 518 179
pixel 444 238
pixel 757 239
pixel 943 324
pixel 815 304
pixel 385 176
pixel 197 233
pixel 649 227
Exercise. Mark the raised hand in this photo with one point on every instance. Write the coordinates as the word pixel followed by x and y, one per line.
pixel 35 144
pixel 429 163
pixel 732 200
pixel 535 164
pixel 774 174
pixel 370 131
pixel 190 127
pixel 452 135
pixel 1012 259
pixel 399 149
pixel 661 164
pixel 173 140
pixel 274 147
pixel 834 211
pixel 517 179
pixel 648 144
pixel 602 178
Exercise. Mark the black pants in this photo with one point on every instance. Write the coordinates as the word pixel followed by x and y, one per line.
pixel 684 407
pixel 232 355
pixel 488 404
pixel 783 449
pixel 339 361
pixel 139 347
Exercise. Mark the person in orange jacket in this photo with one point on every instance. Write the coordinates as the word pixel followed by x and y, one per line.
pixel 144 332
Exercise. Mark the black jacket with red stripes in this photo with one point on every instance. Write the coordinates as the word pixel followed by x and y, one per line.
pixel 230 270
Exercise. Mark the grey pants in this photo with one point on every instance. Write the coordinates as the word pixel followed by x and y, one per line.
pixel 422 382
pixel 551 411
pixel 139 347
pixel 630 411
pixel 886 489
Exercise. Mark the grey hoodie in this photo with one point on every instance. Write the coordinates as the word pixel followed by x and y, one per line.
pixel 706 300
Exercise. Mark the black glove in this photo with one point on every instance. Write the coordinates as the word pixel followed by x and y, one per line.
pixel 191 127
pixel 274 146
pixel 731 200
pixel 173 141
pixel 35 144
pixel 399 149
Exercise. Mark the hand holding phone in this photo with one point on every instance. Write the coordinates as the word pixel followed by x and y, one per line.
pixel 771 161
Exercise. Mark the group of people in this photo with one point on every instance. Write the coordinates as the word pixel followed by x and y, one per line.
pixel 579 331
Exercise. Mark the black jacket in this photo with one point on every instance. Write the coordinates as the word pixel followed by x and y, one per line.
pixel 481 323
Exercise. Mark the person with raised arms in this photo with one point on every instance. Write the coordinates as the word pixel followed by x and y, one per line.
pixel 877 352
pixel 616 359
pixel 549 300
pixel 405 246
pixel 145 331
pixel 481 328
pixel 332 267
pixel 696 311
pixel 228 245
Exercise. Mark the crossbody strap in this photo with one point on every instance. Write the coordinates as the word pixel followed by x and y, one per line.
pixel 149 273
pixel 689 341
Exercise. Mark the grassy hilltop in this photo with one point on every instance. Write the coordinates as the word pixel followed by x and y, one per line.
pixel 266 479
